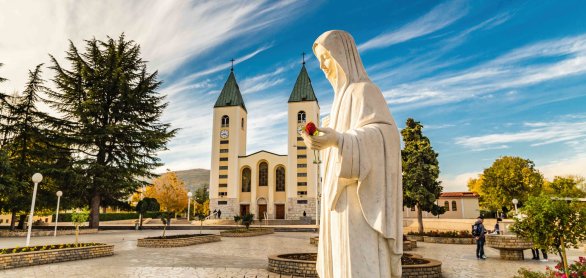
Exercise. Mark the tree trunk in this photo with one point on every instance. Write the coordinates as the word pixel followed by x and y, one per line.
pixel 95 211
pixel 420 219
pixel 21 222
pixel 13 220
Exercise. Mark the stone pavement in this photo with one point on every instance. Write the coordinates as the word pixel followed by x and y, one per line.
pixel 238 257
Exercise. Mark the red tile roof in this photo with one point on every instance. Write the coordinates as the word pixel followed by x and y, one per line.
pixel 459 194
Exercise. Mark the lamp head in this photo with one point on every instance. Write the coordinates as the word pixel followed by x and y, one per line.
pixel 59 193
pixel 515 201
pixel 37 177
pixel 189 194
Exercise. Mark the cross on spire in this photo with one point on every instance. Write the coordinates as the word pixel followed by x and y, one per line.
pixel 303 59
pixel 232 67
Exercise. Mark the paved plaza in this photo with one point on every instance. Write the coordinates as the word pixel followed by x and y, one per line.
pixel 239 257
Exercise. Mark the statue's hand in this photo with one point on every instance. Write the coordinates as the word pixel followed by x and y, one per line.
pixel 328 138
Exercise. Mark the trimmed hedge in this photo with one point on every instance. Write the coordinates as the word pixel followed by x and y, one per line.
pixel 66 217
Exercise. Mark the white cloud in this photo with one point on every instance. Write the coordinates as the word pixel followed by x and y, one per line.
pixel 538 134
pixel 570 166
pixel 438 18
pixel 458 182
pixel 170 33
pixel 515 69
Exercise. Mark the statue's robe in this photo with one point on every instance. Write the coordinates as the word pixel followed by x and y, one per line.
pixel 361 206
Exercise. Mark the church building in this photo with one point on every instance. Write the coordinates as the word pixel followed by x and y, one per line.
pixel 268 185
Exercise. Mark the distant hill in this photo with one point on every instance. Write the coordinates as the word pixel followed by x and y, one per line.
pixel 194 178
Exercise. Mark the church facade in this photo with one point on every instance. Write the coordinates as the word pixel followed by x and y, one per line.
pixel 268 185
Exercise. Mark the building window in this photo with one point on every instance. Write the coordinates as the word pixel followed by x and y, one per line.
pixel 301 165
pixel 301 117
pixel 301 156
pixel 223 150
pixel 223 185
pixel 301 147
pixel 302 183
pixel 454 206
pixel 246 179
pixel 224 141
pixel 223 176
pixel 447 205
pixel 302 174
pixel 263 174
pixel 222 202
pixel 223 194
pixel 302 202
pixel 223 167
pixel 280 178
pixel 225 121
pixel 223 159
pixel 301 192
pixel 299 138
pixel 242 123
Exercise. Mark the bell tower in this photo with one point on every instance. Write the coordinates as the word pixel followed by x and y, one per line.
pixel 228 142
pixel 303 173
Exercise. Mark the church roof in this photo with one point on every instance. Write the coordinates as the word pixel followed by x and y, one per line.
pixel 230 95
pixel 302 91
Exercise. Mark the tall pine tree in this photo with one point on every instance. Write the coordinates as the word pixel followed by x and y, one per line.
pixel 421 187
pixel 112 103
pixel 28 142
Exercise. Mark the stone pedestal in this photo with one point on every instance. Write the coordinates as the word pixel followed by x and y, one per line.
pixel 510 246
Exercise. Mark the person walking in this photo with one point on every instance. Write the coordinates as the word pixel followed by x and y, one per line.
pixel 535 253
pixel 478 231
pixel 220 214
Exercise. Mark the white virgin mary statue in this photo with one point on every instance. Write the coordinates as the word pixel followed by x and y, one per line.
pixel 361 227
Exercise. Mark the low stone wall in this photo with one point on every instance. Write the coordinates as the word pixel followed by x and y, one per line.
pixel 297 264
pixel 414 238
pixel 24 259
pixel 510 246
pixel 432 269
pixel 448 240
pixel 8 233
pixel 251 232
pixel 174 241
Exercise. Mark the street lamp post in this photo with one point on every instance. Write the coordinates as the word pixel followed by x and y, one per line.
pixel 189 194
pixel 515 202
pixel 37 178
pixel 59 194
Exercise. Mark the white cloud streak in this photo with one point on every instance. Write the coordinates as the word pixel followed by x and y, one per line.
pixel 438 18
pixel 536 134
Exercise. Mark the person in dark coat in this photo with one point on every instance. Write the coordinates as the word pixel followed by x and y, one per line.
pixel 479 233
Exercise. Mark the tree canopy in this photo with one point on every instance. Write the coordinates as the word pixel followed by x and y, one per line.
pixel 113 109
pixel 169 191
pixel 421 187
pixel 506 179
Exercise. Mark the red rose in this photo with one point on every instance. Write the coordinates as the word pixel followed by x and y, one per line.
pixel 311 129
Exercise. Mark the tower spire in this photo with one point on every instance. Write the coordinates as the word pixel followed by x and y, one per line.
pixel 232 67
pixel 303 59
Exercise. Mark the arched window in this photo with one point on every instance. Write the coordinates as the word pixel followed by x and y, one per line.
pixel 301 117
pixel 454 206
pixel 280 178
pixel 263 174
pixel 246 175
pixel 447 205
pixel 225 121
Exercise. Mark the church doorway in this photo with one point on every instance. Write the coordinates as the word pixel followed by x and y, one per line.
pixel 244 209
pixel 262 210
pixel 280 211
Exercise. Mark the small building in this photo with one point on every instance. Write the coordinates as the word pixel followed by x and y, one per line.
pixel 459 205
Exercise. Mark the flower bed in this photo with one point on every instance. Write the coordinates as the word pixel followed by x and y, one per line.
pixel 448 240
pixel 416 267
pixel 452 234
pixel 35 233
pixel 298 264
pixel 46 254
pixel 177 240
pixel 247 233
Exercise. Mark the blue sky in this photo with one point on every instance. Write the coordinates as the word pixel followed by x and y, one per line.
pixel 485 78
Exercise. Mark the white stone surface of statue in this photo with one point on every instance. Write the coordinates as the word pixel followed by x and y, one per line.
pixel 361 227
